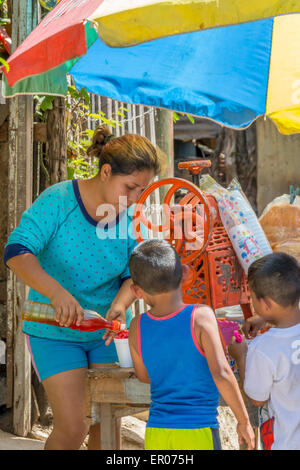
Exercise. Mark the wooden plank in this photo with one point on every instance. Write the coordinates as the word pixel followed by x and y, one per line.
pixel 35 412
pixel 165 140
pixel 111 371
pixel 120 412
pixel 40 132
pixel 4 132
pixel 20 197
pixel 164 135
pixel 57 141
pixel 127 391
pixel 277 162
pixel 93 410
pixel 4 108
pixel 23 197
pixel 9 335
pixel 108 428
pixel 114 384
pixel 88 403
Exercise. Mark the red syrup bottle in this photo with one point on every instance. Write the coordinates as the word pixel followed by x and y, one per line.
pixel 45 313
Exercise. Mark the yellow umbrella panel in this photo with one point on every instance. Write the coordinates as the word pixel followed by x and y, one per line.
pixel 283 97
pixel 124 23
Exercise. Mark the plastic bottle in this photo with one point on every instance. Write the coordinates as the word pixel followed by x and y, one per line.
pixel 227 328
pixel 45 313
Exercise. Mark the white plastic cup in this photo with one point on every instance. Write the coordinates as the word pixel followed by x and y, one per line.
pixel 123 352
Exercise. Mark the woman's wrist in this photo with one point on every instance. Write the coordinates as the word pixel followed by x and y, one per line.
pixel 118 306
pixel 124 297
pixel 53 289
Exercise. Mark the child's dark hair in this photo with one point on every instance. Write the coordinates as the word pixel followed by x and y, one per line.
pixel 125 154
pixel 155 267
pixel 276 276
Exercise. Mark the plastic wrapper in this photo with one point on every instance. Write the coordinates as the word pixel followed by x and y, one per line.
pixel 281 223
pixel 239 219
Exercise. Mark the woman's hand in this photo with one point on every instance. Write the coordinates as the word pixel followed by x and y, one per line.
pixel 67 308
pixel 116 312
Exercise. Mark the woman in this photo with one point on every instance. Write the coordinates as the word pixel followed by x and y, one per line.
pixel 61 251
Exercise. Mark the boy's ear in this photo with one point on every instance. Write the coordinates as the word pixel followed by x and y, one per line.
pixel 267 302
pixel 136 291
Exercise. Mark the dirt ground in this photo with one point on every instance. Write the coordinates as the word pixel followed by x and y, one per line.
pixel 132 434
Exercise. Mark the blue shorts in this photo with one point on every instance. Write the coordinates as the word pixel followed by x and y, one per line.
pixel 50 357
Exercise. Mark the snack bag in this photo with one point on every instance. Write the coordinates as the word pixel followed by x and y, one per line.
pixel 247 237
pixel 249 216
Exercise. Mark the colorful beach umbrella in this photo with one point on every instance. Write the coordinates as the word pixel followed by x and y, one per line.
pixel 231 74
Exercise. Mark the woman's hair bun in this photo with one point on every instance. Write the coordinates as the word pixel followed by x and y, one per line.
pixel 101 136
pixel 125 154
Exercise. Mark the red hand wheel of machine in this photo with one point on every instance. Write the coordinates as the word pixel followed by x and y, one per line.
pixel 187 224
pixel 213 278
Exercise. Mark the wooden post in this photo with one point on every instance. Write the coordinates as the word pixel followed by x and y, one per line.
pixel 113 392
pixel 230 154
pixel 57 141
pixel 277 162
pixel 19 199
pixel 108 427
pixel 164 135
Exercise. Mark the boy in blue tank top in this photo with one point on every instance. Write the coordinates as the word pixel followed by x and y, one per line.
pixel 177 349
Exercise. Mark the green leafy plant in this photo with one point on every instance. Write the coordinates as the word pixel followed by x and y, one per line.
pixel 42 104
pixel 176 117
pixel 3 7
pixel 4 21
pixel 79 136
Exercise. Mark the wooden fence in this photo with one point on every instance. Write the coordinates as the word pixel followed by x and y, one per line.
pixel 139 120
